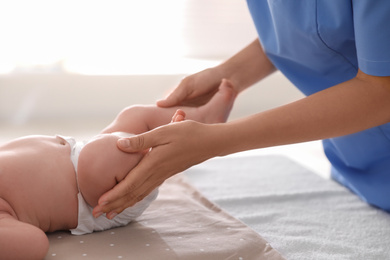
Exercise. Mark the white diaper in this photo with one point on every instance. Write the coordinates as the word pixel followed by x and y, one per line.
pixel 87 223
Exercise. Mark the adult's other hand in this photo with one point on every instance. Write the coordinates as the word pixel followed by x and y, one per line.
pixel 174 148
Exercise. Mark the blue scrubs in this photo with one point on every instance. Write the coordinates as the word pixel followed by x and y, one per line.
pixel 317 44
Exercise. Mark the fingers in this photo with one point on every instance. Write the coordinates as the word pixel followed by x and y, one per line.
pixel 175 97
pixel 135 187
pixel 139 142
pixel 194 90
pixel 167 158
pixel 122 196
pixel 114 211
pixel 168 102
pixel 142 142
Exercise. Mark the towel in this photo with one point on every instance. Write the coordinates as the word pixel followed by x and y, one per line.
pixel 301 214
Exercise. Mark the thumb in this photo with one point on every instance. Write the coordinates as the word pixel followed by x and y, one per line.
pixel 137 143
pixel 175 98
pixel 171 100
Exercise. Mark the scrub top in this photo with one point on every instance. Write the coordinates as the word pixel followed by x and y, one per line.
pixel 317 44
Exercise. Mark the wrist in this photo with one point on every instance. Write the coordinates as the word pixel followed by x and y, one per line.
pixel 224 139
pixel 230 71
pixel 247 67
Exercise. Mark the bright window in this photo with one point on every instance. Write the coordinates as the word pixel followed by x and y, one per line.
pixel 88 34
pixel 116 36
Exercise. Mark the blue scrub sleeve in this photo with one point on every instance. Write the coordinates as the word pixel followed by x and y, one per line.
pixel 372 36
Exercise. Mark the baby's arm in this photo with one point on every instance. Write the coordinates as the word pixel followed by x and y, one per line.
pixel 102 165
pixel 19 240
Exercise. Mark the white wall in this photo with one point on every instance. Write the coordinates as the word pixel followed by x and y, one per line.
pixel 34 101
pixel 62 102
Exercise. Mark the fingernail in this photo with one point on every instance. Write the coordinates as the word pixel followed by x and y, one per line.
pixel 112 215
pixel 103 203
pixel 98 214
pixel 124 142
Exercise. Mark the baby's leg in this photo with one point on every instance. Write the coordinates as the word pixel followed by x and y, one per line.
pixel 178 116
pixel 102 165
pixel 217 110
pixel 139 119
pixel 133 119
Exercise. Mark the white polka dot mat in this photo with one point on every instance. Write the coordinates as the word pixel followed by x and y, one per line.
pixel 180 224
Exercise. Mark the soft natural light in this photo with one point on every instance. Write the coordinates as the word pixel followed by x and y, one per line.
pixel 91 36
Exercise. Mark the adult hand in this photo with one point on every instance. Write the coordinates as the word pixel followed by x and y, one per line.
pixel 175 147
pixel 245 68
pixel 194 90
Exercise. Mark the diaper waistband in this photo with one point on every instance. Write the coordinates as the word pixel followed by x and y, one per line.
pixel 75 149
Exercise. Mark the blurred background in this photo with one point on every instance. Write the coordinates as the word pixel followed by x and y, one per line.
pixel 70 66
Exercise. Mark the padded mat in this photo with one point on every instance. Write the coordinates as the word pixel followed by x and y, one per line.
pixel 180 224
pixel 301 214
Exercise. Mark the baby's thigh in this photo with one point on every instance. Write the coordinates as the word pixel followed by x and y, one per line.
pixel 101 166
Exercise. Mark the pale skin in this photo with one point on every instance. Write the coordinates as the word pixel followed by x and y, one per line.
pixel 349 107
pixel 38 189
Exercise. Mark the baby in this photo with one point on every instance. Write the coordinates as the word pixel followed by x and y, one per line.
pixel 50 183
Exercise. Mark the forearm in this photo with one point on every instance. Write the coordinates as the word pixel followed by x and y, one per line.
pixel 247 66
pixel 352 106
pixel 346 108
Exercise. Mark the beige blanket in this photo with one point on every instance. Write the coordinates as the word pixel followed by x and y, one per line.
pixel 180 224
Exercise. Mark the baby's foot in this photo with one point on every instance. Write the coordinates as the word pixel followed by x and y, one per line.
pixel 178 116
pixel 217 110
